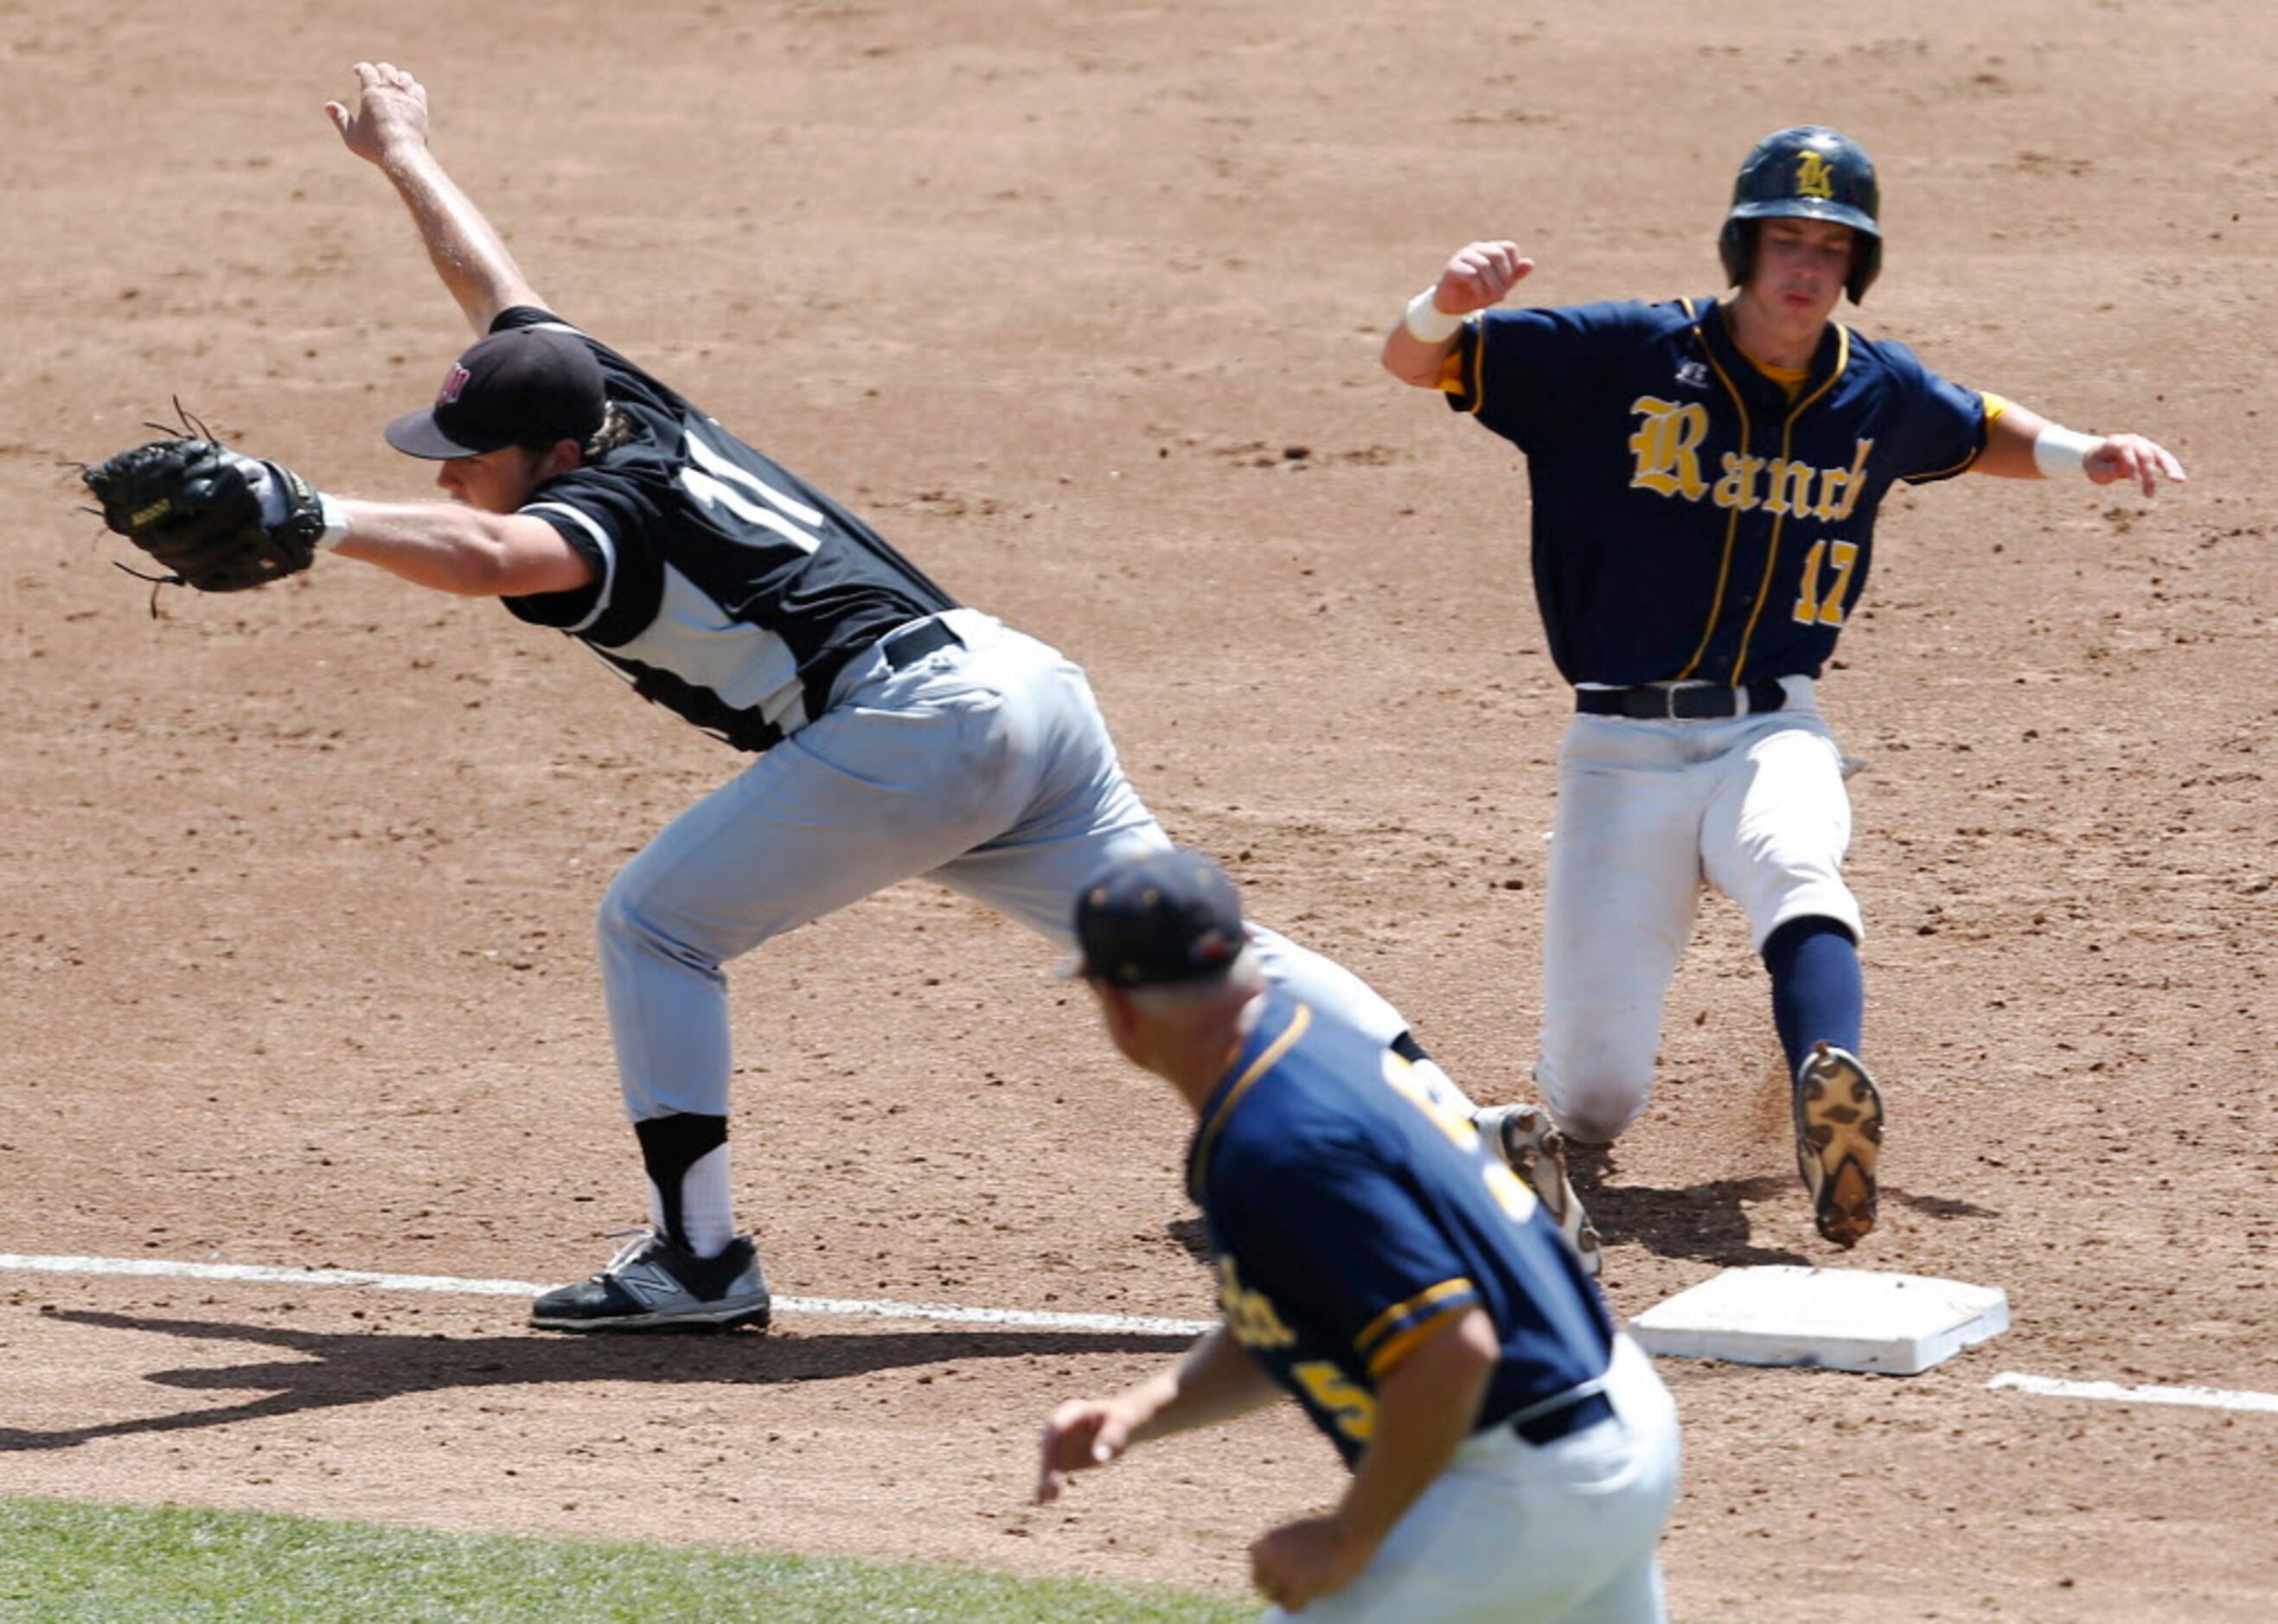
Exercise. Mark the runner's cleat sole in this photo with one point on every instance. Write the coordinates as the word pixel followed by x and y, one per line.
pixel 1838 1142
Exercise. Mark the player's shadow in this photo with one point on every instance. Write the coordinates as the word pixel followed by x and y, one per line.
pixel 1707 1222
pixel 1711 1222
pixel 1193 1236
pixel 326 1370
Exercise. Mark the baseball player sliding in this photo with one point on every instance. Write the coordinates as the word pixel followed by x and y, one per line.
pixel 1706 475
pixel 895 732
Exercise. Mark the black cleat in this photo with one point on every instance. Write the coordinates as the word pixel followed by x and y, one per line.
pixel 652 1285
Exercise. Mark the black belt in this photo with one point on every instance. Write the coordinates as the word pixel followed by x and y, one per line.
pixel 908 646
pixel 1681 703
pixel 1587 1411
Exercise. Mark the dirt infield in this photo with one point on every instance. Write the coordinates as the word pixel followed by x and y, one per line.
pixel 1080 305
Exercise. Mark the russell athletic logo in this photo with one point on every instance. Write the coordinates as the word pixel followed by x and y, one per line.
pixel 456 380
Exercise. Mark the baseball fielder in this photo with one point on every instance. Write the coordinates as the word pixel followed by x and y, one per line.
pixel 895 732
pixel 1512 1456
pixel 1706 475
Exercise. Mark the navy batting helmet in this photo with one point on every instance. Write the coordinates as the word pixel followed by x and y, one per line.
pixel 1810 172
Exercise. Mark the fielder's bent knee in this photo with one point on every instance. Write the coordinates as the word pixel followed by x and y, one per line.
pixel 624 927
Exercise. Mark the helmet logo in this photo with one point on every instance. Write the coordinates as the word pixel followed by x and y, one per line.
pixel 1812 178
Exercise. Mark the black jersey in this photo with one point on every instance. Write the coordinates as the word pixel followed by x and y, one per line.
pixel 724 586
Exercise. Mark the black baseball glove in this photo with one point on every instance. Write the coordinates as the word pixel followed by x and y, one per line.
pixel 214 519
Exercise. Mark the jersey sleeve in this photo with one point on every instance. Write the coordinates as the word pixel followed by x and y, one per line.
pixel 1942 428
pixel 524 315
pixel 605 511
pixel 606 514
pixel 1342 1232
pixel 1514 369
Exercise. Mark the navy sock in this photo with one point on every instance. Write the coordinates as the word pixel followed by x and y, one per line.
pixel 1818 993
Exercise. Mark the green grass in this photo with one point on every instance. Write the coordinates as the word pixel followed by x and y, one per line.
pixel 64 1561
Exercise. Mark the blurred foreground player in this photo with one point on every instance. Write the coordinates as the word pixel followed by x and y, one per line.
pixel 1513 1457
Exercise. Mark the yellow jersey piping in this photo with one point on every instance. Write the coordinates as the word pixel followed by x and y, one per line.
pixel 1731 519
pixel 1787 444
pixel 1426 1307
pixel 1268 1059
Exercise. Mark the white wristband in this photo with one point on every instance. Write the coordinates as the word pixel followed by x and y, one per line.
pixel 2059 450
pixel 1428 323
pixel 336 521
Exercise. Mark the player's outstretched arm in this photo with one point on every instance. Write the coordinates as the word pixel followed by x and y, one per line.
pixel 1478 276
pixel 1214 1381
pixel 449 547
pixel 2021 444
pixel 387 128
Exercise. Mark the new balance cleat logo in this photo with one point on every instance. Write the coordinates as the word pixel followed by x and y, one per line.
pixel 654 1285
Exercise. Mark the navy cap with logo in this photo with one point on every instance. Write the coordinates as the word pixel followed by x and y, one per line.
pixel 524 386
pixel 1156 917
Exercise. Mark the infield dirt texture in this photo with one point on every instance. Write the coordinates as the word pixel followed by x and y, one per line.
pixel 1080 304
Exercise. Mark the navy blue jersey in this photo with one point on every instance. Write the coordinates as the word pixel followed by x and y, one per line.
pixel 1691 520
pixel 1351 1208
pixel 724 586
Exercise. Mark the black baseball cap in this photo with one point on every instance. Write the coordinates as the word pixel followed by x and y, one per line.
pixel 524 386
pixel 1158 917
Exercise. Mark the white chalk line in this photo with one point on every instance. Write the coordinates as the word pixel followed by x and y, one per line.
pixel 1120 1324
pixel 1125 1324
pixel 2202 1398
